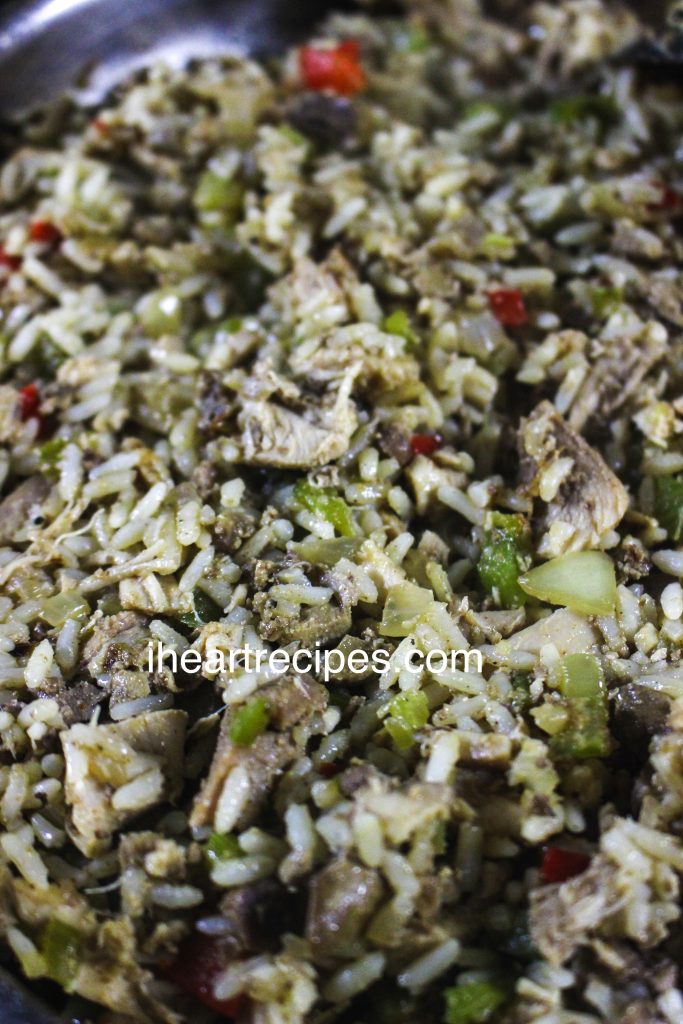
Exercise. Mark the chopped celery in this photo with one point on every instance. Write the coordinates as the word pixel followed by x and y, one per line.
pixel 51 452
pixel 249 722
pixel 495 109
pixel 110 603
pixel 496 246
pixel 512 524
pixel 503 558
pixel 605 301
pixel 473 1002
pixel 399 323
pixel 61 607
pixel 584 581
pixel 294 136
pixel 416 40
pixel 221 847
pixel 411 707
pixel 162 313
pixel 408 711
pixel 669 505
pixel 404 606
pixel 216 194
pixel 581 676
pixel 400 733
pixel 325 502
pixel 586 733
pixel 62 948
pixel 570 109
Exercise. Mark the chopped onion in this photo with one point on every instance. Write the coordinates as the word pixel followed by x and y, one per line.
pixel 582 580
pixel 404 607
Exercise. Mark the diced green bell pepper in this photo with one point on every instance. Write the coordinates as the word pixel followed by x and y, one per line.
pixel 324 501
pixel 503 559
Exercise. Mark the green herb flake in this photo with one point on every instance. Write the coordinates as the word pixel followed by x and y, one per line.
pixel 51 452
pixel 249 722
pixel 473 1003
pixel 605 301
pixel 221 847
pixel 571 109
pixel 205 610
pixel 215 194
pixel 399 323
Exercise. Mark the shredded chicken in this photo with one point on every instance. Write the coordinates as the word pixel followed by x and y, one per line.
pixel 273 435
pixel 580 498
pixel 613 378
pixel 342 899
pixel 114 772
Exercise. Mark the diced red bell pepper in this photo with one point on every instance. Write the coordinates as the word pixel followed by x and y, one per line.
pixel 670 200
pixel 425 444
pixel 29 398
pixel 507 305
pixel 8 260
pixel 200 960
pixel 337 69
pixel 328 769
pixel 558 865
pixel 44 231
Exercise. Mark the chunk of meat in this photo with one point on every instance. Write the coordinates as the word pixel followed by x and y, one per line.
pixel 329 120
pixel 564 917
pixel 20 507
pixel 77 703
pixel 274 435
pixel 613 378
pixel 233 527
pixel 114 772
pixel 249 772
pixel 253 914
pixel 639 714
pixel 241 777
pixel 579 496
pixel 96 652
pixel 342 899
pixel 395 442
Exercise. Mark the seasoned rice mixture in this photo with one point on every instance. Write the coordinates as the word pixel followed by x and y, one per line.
pixel 379 345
